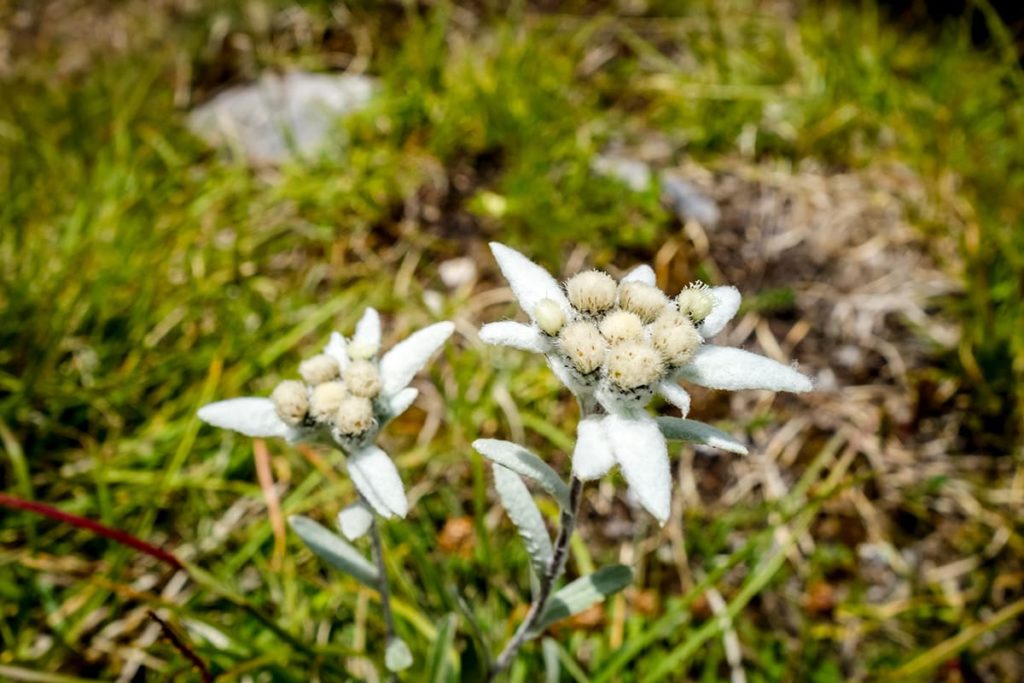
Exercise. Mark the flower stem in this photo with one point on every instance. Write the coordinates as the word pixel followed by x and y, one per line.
pixel 554 571
pixel 382 586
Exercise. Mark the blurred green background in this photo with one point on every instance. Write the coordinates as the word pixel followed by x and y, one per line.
pixel 869 173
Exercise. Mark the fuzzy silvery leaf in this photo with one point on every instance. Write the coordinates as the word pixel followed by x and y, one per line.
pixel 250 416
pixel 515 335
pixel 530 283
pixel 376 477
pixel 400 364
pixel 523 462
pixel 337 349
pixel 355 520
pixel 584 593
pixel 592 456
pixel 523 512
pixel 642 455
pixel 397 656
pixel 692 431
pixel 723 367
pixel 676 395
pixel 727 302
pixel 552 669
pixel 334 550
pixel 367 333
pixel 642 273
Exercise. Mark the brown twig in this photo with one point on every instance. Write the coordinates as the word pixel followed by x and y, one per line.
pixel 183 647
pixel 266 478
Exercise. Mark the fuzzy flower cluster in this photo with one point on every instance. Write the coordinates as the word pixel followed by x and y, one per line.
pixel 345 397
pixel 616 345
pixel 621 340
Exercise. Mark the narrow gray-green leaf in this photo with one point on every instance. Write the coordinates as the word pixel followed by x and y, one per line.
pixel 334 550
pixel 521 461
pixel 692 431
pixel 437 668
pixel 521 509
pixel 585 592
pixel 552 670
pixel 397 656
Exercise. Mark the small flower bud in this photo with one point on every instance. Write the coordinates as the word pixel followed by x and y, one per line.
pixel 549 316
pixel 696 301
pixel 319 369
pixel 619 326
pixel 634 364
pixel 647 301
pixel 362 351
pixel 584 346
pixel 326 398
pixel 675 337
pixel 362 379
pixel 354 415
pixel 291 402
pixel 592 291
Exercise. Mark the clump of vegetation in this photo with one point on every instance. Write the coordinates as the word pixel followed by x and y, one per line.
pixel 143 277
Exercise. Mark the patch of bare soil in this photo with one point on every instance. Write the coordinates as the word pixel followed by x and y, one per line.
pixel 842 282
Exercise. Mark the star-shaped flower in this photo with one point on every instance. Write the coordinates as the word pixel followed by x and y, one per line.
pixel 617 344
pixel 346 396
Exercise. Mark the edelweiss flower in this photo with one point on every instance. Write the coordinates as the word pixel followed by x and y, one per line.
pixel 617 344
pixel 346 397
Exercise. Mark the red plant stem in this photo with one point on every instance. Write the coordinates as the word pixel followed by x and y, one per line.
pixel 122 537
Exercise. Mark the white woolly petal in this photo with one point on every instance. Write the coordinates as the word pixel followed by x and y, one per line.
pixel 336 349
pixel 592 457
pixel 516 335
pixel 250 416
pixel 355 520
pixel 643 273
pixel 722 367
pixel 376 477
pixel 727 302
pixel 401 401
pixel 405 359
pixel 368 330
pixel 676 395
pixel 530 283
pixel 642 454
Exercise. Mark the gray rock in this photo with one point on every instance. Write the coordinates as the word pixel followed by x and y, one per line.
pixel 636 175
pixel 687 200
pixel 280 116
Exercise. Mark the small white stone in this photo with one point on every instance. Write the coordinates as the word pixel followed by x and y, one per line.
pixel 619 326
pixel 362 379
pixel 645 300
pixel 634 364
pixel 675 337
pixel 592 291
pixel 319 369
pixel 457 272
pixel 696 301
pixel 326 399
pixel 549 316
pixel 291 402
pixel 354 415
pixel 584 345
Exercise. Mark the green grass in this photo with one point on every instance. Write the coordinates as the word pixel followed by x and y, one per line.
pixel 141 276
